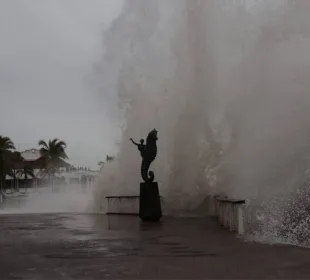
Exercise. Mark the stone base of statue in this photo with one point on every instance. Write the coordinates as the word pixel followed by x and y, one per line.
pixel 150 207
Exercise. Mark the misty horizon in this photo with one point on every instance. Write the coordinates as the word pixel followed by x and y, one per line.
pixel 48 53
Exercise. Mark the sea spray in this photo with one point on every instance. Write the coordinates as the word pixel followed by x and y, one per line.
pixel 157 87
pixel 226 85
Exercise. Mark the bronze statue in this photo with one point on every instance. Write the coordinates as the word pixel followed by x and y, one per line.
pixel 140 146
pixel 148 153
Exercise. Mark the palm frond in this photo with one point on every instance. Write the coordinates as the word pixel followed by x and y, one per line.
pixel 62 144
pixel 43 144
pixel 44 151
pixel 54 141
pixel 26 171
pixel 6 143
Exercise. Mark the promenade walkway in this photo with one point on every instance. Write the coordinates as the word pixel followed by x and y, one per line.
pixel 78 246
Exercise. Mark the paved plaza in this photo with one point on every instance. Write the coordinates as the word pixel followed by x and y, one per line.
pixel 80 246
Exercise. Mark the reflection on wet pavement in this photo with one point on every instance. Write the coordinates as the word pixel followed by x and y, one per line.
pixel 80 246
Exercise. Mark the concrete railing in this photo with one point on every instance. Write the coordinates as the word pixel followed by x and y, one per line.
pixel 123 205
pixel 16 198
pixel 230 212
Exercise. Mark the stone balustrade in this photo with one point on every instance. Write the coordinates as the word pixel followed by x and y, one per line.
pixel 123 205
pixel 230 212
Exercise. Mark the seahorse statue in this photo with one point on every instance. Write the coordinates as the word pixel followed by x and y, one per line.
pixel 148 153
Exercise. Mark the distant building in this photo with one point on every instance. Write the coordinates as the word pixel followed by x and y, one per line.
pixel 67 172
pixel 34 159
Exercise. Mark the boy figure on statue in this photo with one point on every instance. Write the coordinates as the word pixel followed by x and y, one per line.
pixel 140 146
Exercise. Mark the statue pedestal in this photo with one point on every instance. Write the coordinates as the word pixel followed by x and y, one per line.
pixel 150 207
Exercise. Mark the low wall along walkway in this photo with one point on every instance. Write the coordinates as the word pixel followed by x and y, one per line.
pixel 229 212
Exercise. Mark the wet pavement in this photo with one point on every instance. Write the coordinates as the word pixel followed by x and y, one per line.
pixel 80 246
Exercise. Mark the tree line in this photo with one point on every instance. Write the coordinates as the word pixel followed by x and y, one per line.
pixel 52 152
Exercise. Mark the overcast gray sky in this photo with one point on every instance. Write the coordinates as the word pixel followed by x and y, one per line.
pixel 47 50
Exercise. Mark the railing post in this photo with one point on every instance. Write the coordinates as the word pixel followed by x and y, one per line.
pixel 226 214
pixel 240 220
pixel 122 205
pixel 108 206
pixel 235 218
pixel 230 213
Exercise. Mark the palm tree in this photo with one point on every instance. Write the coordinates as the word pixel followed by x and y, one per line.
pixel 14 162
pixel 26 171
pixel 54 153
pixel 6 150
